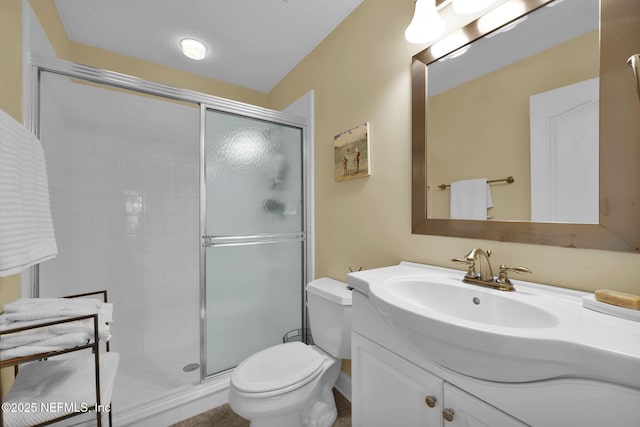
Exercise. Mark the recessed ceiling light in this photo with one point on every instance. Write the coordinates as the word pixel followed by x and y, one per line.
pixel 193 49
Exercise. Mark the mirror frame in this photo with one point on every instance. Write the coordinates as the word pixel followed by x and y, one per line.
pixel 619 227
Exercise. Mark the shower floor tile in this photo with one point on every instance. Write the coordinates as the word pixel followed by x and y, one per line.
pixel 145 379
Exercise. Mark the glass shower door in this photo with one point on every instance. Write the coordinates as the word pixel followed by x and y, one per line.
pixel 253 237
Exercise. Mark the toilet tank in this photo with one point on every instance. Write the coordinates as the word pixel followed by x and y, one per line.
pixel 329 304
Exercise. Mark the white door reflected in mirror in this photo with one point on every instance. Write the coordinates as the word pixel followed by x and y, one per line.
pixel 564 154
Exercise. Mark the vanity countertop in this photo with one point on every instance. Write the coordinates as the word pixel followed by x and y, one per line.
pixel 568 340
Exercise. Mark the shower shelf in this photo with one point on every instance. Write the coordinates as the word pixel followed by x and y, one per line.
pixel 73 371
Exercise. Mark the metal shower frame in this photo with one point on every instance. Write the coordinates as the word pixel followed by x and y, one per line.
pixel 41 64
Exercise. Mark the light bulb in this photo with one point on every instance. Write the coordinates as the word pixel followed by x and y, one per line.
pixel 193 49
pixel 449 43
pixel 426 24
pixel 501 15
pixel 466 7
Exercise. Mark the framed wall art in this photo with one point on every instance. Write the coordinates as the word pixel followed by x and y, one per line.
pixel 351 152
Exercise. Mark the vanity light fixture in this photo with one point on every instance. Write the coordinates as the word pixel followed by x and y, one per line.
pixel 193 49
pixel 449 43
pixel 426 24
pixel 456 53
pixel 466 7
pixel 501 15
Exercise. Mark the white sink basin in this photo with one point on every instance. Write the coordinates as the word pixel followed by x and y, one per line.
pixel 537 332
pixel 464 303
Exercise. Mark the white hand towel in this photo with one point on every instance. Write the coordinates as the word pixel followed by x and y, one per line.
pixel 26 227
pixel 470 199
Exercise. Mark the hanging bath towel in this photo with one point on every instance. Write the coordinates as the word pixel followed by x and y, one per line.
pixel 470 199
pixel 26 227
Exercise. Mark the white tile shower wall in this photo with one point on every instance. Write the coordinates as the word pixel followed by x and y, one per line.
pixel 125 198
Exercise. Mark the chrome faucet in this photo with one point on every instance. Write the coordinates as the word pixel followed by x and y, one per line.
pixel 480 272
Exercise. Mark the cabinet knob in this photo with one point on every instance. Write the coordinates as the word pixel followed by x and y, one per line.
pixel 447 413
pixel 430 401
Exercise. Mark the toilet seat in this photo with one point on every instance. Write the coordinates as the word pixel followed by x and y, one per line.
pixel 290 366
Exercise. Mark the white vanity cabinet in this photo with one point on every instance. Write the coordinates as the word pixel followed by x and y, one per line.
pixel 401 377
pixel 391 391
pixel 464 410
pixel 387 390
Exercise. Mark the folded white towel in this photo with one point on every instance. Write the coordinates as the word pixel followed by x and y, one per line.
pixel 35 311
pixel 24 338
pixel 24 309
pixel 470 199
pixel 59 342
pixel 24 316
pixel 81 326
pixel 6 325
pixel 37 304
pixel 26 350
pixel 64 340
pixel 33 336
pixel 26 227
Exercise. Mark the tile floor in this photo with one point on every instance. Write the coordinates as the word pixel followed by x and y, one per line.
pixel 225 417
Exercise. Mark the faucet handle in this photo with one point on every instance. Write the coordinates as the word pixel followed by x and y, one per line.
pixel 505 269
pixel 471 264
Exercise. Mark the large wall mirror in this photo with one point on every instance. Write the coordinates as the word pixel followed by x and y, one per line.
pixel 535 97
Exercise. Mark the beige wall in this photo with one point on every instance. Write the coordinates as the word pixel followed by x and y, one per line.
pixel 11 63
pixel 498 103
pixel 361 73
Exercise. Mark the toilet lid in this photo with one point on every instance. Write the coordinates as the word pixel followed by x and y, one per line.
pixel 277 367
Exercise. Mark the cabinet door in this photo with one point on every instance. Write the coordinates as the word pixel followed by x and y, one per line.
pixel 390 391
pixel 461 409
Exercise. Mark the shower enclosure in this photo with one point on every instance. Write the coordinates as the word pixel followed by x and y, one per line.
pixel 188 209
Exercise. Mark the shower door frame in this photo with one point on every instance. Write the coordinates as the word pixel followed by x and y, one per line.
pixel 275 117
pixel 40 64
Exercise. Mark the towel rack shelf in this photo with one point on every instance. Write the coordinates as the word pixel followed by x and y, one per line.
pixel 508 180
pixel 47 408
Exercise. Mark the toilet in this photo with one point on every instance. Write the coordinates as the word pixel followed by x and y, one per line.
pixel 290 385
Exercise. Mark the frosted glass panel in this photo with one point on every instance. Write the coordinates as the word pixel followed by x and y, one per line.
pixel 254 296
pixel 254 176
pixel 254 228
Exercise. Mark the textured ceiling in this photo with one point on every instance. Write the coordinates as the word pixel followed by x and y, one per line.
pixel 251 43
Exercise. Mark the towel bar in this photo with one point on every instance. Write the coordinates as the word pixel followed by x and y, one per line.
pixel 508 180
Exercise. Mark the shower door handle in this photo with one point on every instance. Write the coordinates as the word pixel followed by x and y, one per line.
pixel 634 63
pixel 208 241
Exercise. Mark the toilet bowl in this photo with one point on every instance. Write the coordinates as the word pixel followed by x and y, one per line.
pixel 284 395
pixel 290 385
